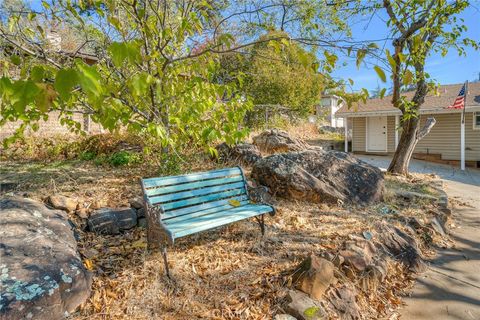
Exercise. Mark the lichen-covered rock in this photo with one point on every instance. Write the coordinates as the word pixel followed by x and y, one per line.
pixel 112 220
pixel 302 307
pixel 41 273
pixel 245 153
pixel 277 141
pixel 320 176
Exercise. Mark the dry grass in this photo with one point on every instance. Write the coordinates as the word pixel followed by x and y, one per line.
pixel 227 273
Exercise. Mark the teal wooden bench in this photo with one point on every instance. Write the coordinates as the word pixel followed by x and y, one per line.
pixel 178 206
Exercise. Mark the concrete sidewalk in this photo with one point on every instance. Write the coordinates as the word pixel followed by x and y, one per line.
pixel 450 289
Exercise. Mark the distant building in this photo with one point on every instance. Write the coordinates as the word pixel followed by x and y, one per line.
pixel 376 126
pixel 327 109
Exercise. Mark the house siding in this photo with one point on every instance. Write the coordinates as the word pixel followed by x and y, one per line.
pixel 444 138
pixel 358 134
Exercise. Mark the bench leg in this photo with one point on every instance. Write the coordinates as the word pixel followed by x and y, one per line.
pixel 164 254
pixel 261 222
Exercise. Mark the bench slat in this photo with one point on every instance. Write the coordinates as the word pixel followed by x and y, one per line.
pixel 204 206
pixel 197 192
pixel 214 220
pixel 202 199
pixel 192 185
pixel 223 208
pixel 172 180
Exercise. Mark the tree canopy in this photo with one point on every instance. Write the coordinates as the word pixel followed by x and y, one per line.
pixel 155 63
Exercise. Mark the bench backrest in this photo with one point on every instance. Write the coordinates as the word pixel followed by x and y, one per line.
pixel 195 192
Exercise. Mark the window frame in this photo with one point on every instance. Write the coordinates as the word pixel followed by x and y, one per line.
pixel 475 125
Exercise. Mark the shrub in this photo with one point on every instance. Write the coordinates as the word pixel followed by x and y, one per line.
pixel 87 155
pixel 122 158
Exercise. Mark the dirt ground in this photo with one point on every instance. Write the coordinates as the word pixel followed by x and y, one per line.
pixel 228 273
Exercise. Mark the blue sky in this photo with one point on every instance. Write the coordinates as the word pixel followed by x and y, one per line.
pixel 446 70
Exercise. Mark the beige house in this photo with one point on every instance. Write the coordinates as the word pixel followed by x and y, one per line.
pixel 375 126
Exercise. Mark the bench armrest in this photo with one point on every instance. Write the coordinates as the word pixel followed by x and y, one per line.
pixel 261 195
pixel 156 230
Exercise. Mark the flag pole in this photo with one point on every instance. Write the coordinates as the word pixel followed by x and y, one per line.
pixel 462 130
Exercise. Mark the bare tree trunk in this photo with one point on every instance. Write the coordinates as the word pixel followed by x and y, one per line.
pixel 410 134
pixel 406 145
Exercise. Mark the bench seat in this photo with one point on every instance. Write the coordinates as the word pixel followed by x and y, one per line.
pixel 178 206
pixel 207 219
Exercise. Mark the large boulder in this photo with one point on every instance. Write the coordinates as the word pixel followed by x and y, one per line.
pixel 245 153
pixel 320 176
pixel 41 273
pixel 277 141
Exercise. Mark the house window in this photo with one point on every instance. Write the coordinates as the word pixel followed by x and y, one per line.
pixel 476 121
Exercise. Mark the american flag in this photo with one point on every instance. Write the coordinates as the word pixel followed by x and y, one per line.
pixel 460 100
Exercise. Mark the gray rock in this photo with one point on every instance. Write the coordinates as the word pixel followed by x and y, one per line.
pixel 320 176
pixel 437 226
pixel 302 307
pixel 141 213
pixel 358 254
pixel 244 153
pixel 142 223
pixel 6 187
pixel 344 302
pixel 277 141
pixel 136 203
pixel 402 247
pixel 112 220
pixel 412 195
pixel 372 277
pixel 41 273
pixel 62 202
pixel 284 317
pixel 260 194
pixel 330 129
pixel 82 213
pixel 313 276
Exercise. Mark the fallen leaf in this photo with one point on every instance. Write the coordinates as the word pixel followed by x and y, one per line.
pixel 234 203
pixel 139 244
pixel 88 264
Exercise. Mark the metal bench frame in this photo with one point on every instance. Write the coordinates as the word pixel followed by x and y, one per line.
pixel 158 232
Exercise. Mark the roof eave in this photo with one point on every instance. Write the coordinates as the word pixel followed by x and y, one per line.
pixel 398 112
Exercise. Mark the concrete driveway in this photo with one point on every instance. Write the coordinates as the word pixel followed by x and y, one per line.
pixel 450 289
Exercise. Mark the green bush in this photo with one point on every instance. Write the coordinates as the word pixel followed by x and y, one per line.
pixel 100 159
pixel 87 155
pixel 122 158
pixel 170 164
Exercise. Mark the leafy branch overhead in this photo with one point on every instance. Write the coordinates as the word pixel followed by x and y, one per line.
pixel 150 66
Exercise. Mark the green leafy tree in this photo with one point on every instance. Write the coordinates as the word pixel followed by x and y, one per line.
pixel 146 80
pixel 274 71
pixel 156 63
